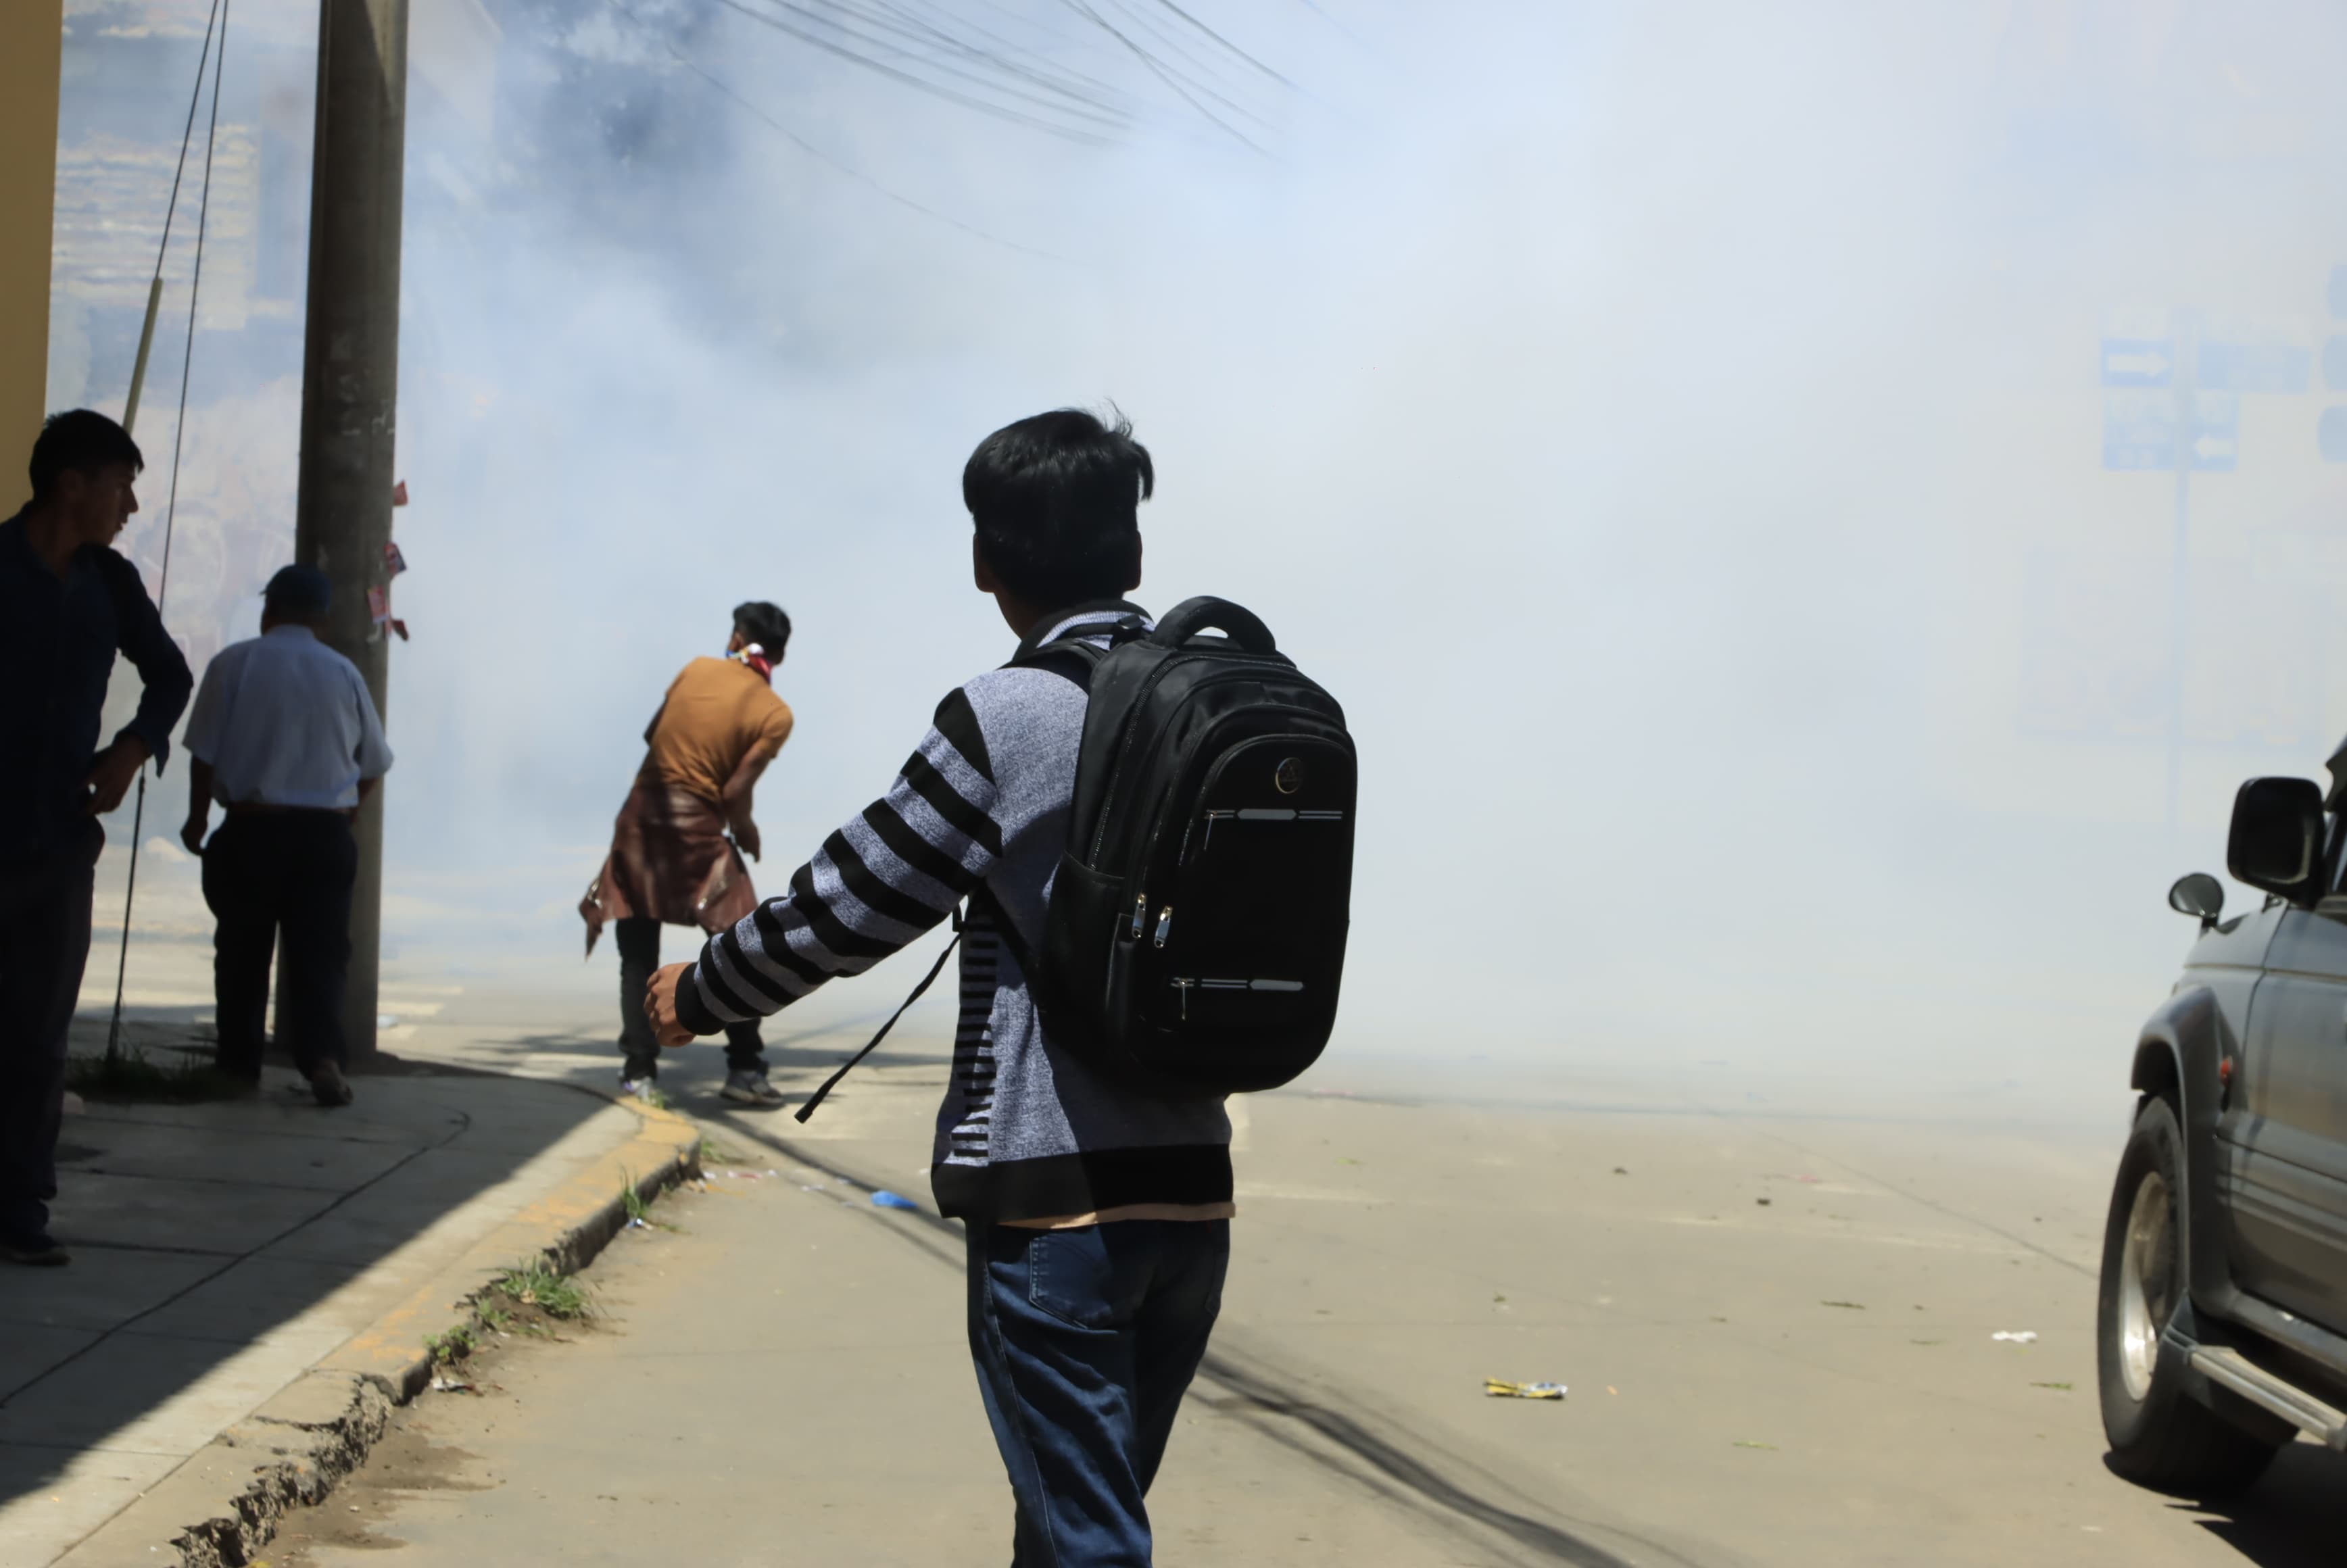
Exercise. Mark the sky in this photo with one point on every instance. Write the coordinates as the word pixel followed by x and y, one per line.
pixel 1677 433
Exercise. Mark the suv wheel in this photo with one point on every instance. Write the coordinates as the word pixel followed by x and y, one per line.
pixel 2158 1435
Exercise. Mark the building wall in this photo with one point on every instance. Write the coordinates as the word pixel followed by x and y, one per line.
pixel 31 35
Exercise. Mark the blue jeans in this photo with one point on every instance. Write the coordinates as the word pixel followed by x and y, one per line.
pixel 1084 1341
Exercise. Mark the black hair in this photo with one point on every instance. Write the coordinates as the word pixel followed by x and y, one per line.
pixel 82 441
pixel 1056 498
pixel 763 624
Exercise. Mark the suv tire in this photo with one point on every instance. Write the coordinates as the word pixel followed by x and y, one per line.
pixel 2160 1436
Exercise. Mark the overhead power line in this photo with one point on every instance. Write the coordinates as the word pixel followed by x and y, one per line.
pixel 1189 92
pixel 980 49
pixel 818 153
pixel 1228 47
pixel 925 45
pixel 940 90
pixel 930 46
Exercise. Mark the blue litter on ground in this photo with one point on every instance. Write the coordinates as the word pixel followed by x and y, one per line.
pixel 888 1200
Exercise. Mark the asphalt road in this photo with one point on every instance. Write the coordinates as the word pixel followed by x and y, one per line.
pixel 1777 1331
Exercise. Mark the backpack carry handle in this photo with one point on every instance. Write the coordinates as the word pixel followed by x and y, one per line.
pixel 1192 616
pixel 1130 624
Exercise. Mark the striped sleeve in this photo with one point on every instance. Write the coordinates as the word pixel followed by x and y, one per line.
pixel 877 884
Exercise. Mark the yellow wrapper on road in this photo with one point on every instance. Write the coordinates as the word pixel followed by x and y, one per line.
pixel 1500 1389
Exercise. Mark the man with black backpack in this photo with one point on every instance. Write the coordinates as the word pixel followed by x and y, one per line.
pixel 1154 829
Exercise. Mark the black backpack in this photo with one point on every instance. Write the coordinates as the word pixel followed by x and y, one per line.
pixel 1195 939
pixel 1195 935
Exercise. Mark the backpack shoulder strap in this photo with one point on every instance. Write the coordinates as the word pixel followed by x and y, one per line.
pixel 1071 661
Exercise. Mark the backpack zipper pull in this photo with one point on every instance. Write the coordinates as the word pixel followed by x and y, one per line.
pixel 1140 914
pixel 1165 923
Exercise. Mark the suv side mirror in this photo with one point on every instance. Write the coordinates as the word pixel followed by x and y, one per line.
pixel 2276 843
pixel 2197 893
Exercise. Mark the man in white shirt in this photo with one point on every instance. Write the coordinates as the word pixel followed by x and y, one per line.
pixel 284 735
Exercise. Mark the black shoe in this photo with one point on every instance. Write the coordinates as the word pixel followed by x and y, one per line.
pixel 232 1084
pixel 34 1252
pixel 329 1085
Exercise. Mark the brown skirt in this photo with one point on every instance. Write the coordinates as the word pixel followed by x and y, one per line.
pixel 670 861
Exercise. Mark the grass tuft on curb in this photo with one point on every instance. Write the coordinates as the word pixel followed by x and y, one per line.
pixel 528 1298
pixel 128 1076
pixel 534 1297
pixel 538 1283
pixel 639 1207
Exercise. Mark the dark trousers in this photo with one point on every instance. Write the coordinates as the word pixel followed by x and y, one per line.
pixel 1084 1341
pixel 638 938
pixel 291 872
pixel 44 942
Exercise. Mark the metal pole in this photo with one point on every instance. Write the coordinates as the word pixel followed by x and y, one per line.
pixel 146 343
pixel 349 388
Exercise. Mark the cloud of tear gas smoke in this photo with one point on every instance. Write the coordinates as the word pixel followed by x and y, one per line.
pixel 1677 433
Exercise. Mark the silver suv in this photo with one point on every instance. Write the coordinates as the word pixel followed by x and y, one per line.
pixel 2222 1321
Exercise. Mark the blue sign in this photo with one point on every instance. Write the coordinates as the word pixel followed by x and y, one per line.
pixel 2330 435
pixel 2265 367
pixel 2138 361
pixel 2215 438
pixel 2144 430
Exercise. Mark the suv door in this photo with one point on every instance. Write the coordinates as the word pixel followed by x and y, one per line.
pixel 2285 1179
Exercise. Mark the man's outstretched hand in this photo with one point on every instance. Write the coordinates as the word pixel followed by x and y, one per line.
pixel 112 774
pixel 659 1006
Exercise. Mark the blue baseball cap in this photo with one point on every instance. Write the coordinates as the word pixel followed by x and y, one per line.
pixel 301 591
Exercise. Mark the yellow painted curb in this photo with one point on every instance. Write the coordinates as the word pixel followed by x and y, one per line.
pixel 566 1227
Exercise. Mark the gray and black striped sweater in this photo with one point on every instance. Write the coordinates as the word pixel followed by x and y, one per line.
pixel 1026 1132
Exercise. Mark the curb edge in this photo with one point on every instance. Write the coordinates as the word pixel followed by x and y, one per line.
pixel 321 1426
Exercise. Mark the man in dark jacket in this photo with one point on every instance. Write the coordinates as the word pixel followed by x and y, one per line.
pixel 68 604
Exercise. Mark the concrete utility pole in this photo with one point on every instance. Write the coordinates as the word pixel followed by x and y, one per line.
pixel 349 388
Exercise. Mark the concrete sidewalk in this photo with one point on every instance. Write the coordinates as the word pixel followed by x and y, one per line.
pixel 225 1252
